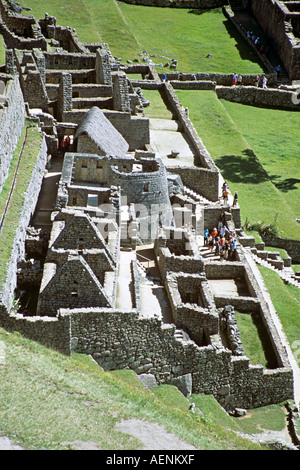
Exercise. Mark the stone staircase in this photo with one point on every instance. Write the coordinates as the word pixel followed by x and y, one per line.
pixel 286 273
pixel 197 197
pixel 182 336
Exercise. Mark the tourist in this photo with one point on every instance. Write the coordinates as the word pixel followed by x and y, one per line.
pixel 211 243
pixel 222 247
pixel 234 79
pixel 223 231
pixel 218 244
pixel 235 198
pixel 205 237
pixel 232 248
pixel 214 233
pixel 239 79
pixel 225 195
pixel 277 70
pixel 264 82
pixel 256 81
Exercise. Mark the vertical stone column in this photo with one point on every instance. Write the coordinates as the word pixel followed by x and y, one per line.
pixel 64 99
pixel 10 66
pixel 121 93
pixel 40 63
pixel 103 67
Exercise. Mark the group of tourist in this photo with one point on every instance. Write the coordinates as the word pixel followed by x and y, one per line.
pixel 225 194
pixel 258 43
pixel 65 143
pixel 221 242
pixel 236 79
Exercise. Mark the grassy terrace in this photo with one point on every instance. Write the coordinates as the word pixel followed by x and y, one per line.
pixel 128 29
pixel 31 141
pixel 50 401
pixel 256 152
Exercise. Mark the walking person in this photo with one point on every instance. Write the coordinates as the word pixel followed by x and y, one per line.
pixel 264 82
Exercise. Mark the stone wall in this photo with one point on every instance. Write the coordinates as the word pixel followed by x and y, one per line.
pixel 134 129
pixel 269 98
pixel 51 332
pixel 201 4
pixel 18 249
pixel 121 93
pixel 103 67
pixel 275 19
pixel 69 61
pixel 12 116
pixel 291 246
pixel 147 346
pixel 203 181
pixel 201 153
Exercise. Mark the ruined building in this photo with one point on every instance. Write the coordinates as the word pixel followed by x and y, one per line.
pixel 113 266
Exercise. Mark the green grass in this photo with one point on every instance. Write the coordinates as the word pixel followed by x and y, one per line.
pixel 286 300
pixel 49 401
pixel 250 338
pixel 157 108
pixel 259 198
pixel 29 156
pixel 269 418
pixel 275 139
pixel 130 29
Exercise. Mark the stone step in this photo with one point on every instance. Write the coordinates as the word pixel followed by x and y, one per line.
pixel 285 274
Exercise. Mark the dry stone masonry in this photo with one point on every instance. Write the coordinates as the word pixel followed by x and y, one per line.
pixel 124 224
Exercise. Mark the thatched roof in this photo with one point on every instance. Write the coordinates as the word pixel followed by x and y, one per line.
pixel 102 133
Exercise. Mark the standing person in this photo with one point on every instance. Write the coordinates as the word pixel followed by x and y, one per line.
pixel 277 70
pixel 206 233
pixel 239 79
pixel 264 82
pixel 234 78
pixel 256 81
pixel 235 198
pixel 225 195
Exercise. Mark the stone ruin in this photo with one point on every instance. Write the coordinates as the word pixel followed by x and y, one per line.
pixel 78 270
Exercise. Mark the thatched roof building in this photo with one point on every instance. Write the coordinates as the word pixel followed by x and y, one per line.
pixel 96 134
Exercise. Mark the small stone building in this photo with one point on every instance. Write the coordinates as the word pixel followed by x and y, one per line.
pixel 95 134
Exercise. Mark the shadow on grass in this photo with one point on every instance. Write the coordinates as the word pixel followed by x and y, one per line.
pixel 245 51
pixel 289 184
pixel 244 168
pixel 204 10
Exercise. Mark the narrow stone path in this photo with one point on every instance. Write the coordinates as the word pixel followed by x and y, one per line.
pixel 124 288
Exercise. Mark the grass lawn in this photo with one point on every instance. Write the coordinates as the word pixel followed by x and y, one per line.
pixel 286 300
pixel 130 29
pixel 260 198
pixel 265 418
pixel 275 139
pixel 250 339
pixel 15 206
pixel 50 401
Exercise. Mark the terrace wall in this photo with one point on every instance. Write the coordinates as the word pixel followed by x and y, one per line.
pixel 17 252
pixel 12 116
pixel 147 346
pixel 276 21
